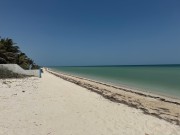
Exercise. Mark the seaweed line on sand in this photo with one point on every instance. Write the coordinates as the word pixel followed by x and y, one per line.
pixel 119 98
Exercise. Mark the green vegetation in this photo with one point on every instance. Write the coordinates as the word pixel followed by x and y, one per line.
pixel 4 74
pixel 11 54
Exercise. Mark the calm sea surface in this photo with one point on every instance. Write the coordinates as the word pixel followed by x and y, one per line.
pixel 162 79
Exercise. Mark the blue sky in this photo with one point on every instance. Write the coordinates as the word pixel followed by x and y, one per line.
pixel 94 32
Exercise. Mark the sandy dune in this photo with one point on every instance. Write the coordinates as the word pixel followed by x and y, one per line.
pixel 52 106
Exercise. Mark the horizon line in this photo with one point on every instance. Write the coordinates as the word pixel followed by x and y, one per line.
pixel 115 65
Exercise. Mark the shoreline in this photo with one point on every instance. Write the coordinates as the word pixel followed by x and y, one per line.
pixel 165 97
pixel 158 81
pixel 162 107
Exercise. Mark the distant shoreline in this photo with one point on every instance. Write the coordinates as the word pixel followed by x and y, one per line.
pixel 148 102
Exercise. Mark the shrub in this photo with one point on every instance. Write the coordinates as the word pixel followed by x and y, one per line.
pixel 4 73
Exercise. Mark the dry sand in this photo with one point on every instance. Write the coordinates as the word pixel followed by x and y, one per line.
pixel 52 106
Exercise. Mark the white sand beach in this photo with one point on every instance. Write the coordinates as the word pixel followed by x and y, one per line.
pixel 53 106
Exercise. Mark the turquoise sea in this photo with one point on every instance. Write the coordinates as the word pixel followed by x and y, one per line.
pixel 158 79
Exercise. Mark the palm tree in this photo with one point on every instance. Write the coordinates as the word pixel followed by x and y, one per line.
pixel 9 50
pixel 3 57
pixel 10 53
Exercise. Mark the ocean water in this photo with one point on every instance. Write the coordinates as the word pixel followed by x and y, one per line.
pixel 158 79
